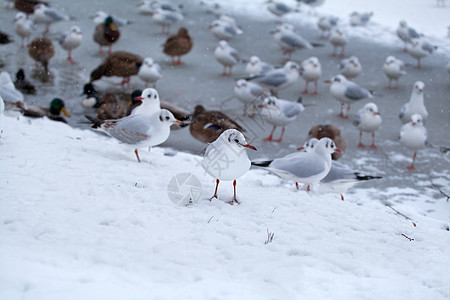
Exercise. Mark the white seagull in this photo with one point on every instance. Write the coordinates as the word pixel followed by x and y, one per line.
pixel 350 67
pixel 138 130
pixel 225 28
pixel 288 40
pixel 150 72
pixel 248 93
pixel 150 103
pixel 338 39
pixel 415 105
pixel 414 136
pixel 8 91
pixel 48 15
pixel 394 68
pixel 406 33
pixel 24 27
pixel 226 159
pixel 71 40
pixel 166 18
pixel 325 24
pixel 347 92
pixel 310 70
pixel 278 79
pixel 360 19
pixel 419 48
pixel 367 119
pixel 278 8
pixel 308 168
pixel 227 56
pixel 256 66
pixel 279 112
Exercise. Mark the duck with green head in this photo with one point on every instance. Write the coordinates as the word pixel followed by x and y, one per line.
pixel 106 34
pixel 52 112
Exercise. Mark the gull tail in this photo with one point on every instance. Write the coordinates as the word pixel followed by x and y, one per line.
pixel 261 163
pixel 366 177
pixel 96 123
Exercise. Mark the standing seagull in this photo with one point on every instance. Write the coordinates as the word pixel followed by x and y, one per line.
pixel 106 34
pixel 225 28
pixel 227 56
pixel 350 67
pixel 325 24
pixel 360 19
pixel 71 40
pixel 346 92
pixel 139 130
pixel 414 135
pixel 338 39
pixel 279 9
pixel 166 18
pixel 367 119
pixel 394 68
pixel 419 48
pixel 23 27
pixel 248 93
pixel 150 72
pixel 308 168
pixel 406 33
pixel 279 112
pixel 178 45
pixel 311 71
pixel 288 40
pixel 256 66
pixel 48 15
pixel 277 79
pixel 415 105
pixel 226 159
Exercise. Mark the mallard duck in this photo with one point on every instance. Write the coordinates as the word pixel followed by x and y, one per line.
pixel 106 34
pixel 41 50
pixel 52 112
pixel 329 131
pixel 178 45
pixel 4 38
pixel 22 84
pixel 27 6
pixel 207 125
pixel 119 63
pixel 71 40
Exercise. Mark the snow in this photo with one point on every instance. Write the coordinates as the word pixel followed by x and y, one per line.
pixel 80 217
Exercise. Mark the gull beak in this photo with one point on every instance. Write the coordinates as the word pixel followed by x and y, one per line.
pixel 274 31
pixel 249 146
pixel 413 123
pixel 327 81
pixel 261 105
pixel 337 150
pixel 300 148
pixel 178 122
pixel 139 98
pixel 64 111
pixel 376 113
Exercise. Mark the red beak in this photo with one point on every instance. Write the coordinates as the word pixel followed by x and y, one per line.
pixel 377 113
pixel 301 148
pixel 261 105
pixel 139 98
pixel 337 150
pixel 327 81
pixel 249 147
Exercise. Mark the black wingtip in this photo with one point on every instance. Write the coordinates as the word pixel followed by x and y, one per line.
pixel 261 163
pixel 95 121
pixel 366 177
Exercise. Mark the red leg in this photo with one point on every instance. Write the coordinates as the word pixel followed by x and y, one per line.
pixel 101 50
pixel 296 185
pixel 234 194
pixel 361 145
pixel 411 167
pixel 373 141
pixel 281 136
pixel 342 197
pixel 315 88
pixel 305 91
pixel 110 50
pixel 268 139
pixel 137 155
pixel 70 59
pixel 215 191
pixel 224 73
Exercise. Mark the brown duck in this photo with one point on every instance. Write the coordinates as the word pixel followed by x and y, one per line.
pixel 329 131
pixel 27 6
pixel 207 125
pixel 178 45
pixel 119 63
pixel 41 50
pixel 106 34
pixel 111 107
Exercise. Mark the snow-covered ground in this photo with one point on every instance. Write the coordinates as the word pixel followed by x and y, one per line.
pixel 81 219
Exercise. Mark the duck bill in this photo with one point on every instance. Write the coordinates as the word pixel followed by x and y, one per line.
pixel 248 146
pixel 65 112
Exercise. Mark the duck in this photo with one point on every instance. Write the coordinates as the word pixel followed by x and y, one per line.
pixel 106 34
pixel 52 112
pixel 111 107
pixel 27 6
pixel 4 38
pixel 119 63
pixel 207 125
pixel 178 45
pixel 42 50
pixel 22 84
pixel 330 131
pixel 71 40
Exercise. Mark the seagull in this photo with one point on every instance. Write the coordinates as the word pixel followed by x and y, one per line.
pixel 42 50
pixel 350 67
pixel 226 159
pixel 256 66
pixel 367 119
pixel 394 68
pixel 178 45
pixel 419 48
pixel 48 15
pixel 311 71
pixel 414 136
pixel 248 93
pixel 207 125
pixel 289 40
pixel 71 40
pixel 415 105
pixel 279 112
pixel 330 131
pixel 150 72
pixel 277 79
pixel 138 130
pixel 227 56
pixel 166 18
pixel 165 5
pixel 360 19
pixel 106 34
pixel 308 168
pixel 100 18
pixel 338 39
pixel 225 28
pixel 8 91
pixel 346 92
pixel 312 3
pixel 340 177
pixel 150 103
pixel 406 33
pixel 325 24
pixel 279 8
pixel 23 27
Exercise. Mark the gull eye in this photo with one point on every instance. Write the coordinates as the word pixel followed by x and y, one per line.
pixel 149 96
pixel 167 118
pixel 154 96
pixel 236 141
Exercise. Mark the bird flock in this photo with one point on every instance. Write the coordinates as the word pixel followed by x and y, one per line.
pixel 146 120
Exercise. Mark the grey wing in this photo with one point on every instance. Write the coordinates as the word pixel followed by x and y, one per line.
pixel 357 119
pixel 282 7
pixel 338 171
pixel 158 69
pixel 265 67
pixel 292 109
pixel 402 111
pixel 428 47
pixel 234 53
pixel 230 30
pixel 272 79
pixel 131 130
pixel 54 15
pixel 62 39
pixel 412 33
pixel 295 41
pixel 355 92
pixel 256 91
pixel 299 165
